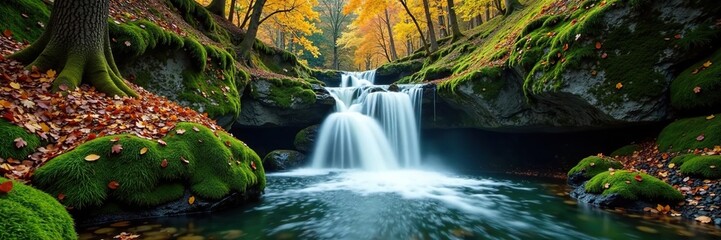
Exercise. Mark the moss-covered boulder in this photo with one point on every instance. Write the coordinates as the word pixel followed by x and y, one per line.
pixel 28 213
pixel 305 138
pixel 132 171
pixel 632 191
pixel 24 18
pixel 284 102
pixel 690 133
pixel 281 160
pixel 627 150
pixel 696 88
pixel 9 133
pixel 394 71
pixel 590 167
pixel 331 78
pixel 704 166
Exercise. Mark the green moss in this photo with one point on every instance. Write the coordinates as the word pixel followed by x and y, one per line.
pixel 28 213
pixel 623 183
pixel 133 39
pixel 283 92
pixel 682 134
pixel 708 79
pixel 212 91
pixel 217 165
pixel 24 29
pixel 593 165
pixel 486 82
pixel 8 133
pixel 626 150
pixel 199 17
pixel 708 167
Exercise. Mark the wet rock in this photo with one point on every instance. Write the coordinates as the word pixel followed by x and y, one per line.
pixel 576 179
pixel 607 201
pixel 281 160
pixel 389 73
pixel 305 138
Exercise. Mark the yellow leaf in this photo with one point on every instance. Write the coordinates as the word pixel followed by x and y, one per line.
pixel 6 104
pixel 92 157
pixel 671 165
pixel 191 200
pixel 619 85
pixel 50 73
pixel 143 150
pixel 44 127
pixel 710 117
pixel 707 64
pixel 15 85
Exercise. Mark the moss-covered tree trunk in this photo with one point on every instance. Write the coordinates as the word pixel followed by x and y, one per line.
pixel 76 43
pixel 455 30
pixel 217 7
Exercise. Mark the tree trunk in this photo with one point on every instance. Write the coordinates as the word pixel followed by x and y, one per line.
pixel 232 11
pixel 76 42
pixel 456 32
pixel 488 12
pixel 511 5
pixel 217 7
pixel 441 22
pixel 431 31
pixel 247 44
pixel 415 22
pixel 394 54
pixel 246 18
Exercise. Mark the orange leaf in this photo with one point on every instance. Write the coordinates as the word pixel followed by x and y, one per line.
pixel 638 178
pixel 6 187
pixel 191 200
pixel 61 196
pixel 92 157
pixel 619 86
pixel 92 136
pixel 565 47
pixel 113 185
pixel 143 151
pixel 8 33
pixel 707 64
pixel 51 73
pixel 598 45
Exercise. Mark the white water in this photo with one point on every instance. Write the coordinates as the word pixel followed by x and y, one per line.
pixel 372 128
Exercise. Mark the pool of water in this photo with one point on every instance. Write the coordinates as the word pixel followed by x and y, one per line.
pixel 411 204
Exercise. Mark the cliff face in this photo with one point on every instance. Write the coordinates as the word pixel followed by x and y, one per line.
pixel 563 65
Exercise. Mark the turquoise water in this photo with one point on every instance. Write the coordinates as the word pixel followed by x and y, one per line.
pixel 409 204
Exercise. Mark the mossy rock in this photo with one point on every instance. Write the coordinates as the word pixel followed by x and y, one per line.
pixel 708 167
pixel 626 150
pixel 684 134
pixel 8 133
pixel 24 28
pixel 708 81
pixel 593 165
pixel 394 71
pixel 281 160
pixel 210 163
pixel 305 138
pixel 624 183
pixel 487 82
pixel 283 92
pixel 28 213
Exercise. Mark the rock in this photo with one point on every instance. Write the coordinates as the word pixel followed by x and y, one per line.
pixel 305 139
pixel 280 160
pixel 717 221
pixel 576 179
pixel 608 200
pixel 389 73
pixel 393 88
pixel 331 78
pixel 278 105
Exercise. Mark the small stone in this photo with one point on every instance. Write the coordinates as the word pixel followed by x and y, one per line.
pixel 717 221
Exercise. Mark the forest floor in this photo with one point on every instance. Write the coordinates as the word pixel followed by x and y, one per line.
pixel 65 120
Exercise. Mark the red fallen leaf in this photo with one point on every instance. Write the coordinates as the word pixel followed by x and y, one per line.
pixel 9 116
pixel 604 55
pixel 117 148
pixel 92 136
pixel 697 89
pixel 8 33
pixel 700 137
pixel 113 185
pixel 252 165
pixel 61 196
pixel 565 47
pixel 598 45
pixel 227 143
pixel 164 163
pixel 677 36
pixel 20 143
pixel 6 187
pixel 638 178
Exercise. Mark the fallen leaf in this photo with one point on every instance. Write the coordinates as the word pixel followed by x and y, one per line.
pixel 700 137
pixel 671 165
pixel 143 151
pixel 252 165
pixel 565 47
pixel 92 157
pixel 619 86
pixel 191 200
pixel 164 163
pixel 607 185
pixel 6 187
pixel 61 196
pixel 15 85
pixel 707 64
pixel 604 55
pixel 113 185
pixel 703 219
pixel 7 33
pixel 20 143
pixel 677 36
pixel 162 143
pixel 115 139
pixel 182 159
pixel 712 166
pixel 196 129
pixel 180 131
pixel 638 178
pixel 697 89
pixel 598 45
pixel 117 148
pixel 50 73
pixel 710 117
pixel 127 43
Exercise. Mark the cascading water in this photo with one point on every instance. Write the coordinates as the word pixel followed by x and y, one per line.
pixel 372 128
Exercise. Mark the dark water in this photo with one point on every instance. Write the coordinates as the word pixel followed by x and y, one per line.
pixel 411 205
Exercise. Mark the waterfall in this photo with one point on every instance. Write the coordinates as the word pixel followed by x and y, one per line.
pixel 372 128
